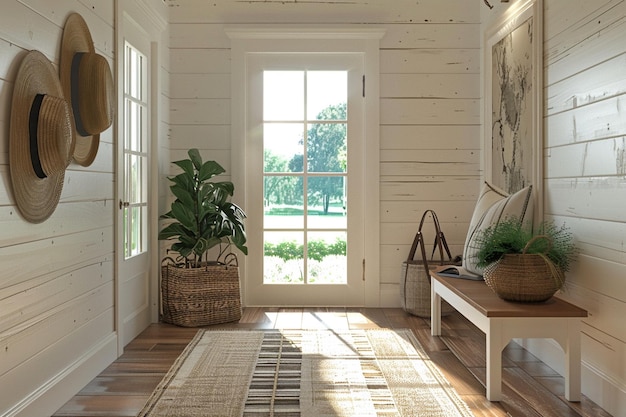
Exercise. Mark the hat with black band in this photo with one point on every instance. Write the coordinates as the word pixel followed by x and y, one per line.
pixel 88 86
pixel 40 138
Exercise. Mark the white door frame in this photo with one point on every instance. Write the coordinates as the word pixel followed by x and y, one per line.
pixel 246 41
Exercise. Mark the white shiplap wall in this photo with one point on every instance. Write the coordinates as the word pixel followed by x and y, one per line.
pixel 429 109
pixel 57 311
pixel 56 284
pixel 584 169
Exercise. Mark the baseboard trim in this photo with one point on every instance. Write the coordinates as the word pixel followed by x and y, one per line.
pixel 604 391
pixel 51 396
pixel 596 385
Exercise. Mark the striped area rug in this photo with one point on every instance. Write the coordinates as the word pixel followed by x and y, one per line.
pixel 304 373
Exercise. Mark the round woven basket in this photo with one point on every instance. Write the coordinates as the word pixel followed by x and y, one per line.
pixel 525 277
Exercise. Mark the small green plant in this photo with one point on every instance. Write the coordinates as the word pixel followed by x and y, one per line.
pixel 511 236
pixel 202 215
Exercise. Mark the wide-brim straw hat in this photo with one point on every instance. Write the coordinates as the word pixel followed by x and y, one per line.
pixel 88 86
pixel 40 138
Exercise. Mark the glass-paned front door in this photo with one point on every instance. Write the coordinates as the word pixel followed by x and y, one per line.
pixel 305 168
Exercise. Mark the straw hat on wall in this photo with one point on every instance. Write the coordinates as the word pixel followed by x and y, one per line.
pixel 40 138
pixel 88 86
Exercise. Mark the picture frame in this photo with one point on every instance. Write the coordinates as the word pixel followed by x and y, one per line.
pixel 513 100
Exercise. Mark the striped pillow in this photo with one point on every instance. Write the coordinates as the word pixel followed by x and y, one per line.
pixel 492 206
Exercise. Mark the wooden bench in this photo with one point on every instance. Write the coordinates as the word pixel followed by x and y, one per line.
pixel 502 321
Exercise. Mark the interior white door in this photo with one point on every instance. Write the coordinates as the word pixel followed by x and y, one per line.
pixel 133 186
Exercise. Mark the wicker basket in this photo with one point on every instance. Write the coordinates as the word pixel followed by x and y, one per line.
pixel 525 277
pixel 193 297
pixel 415 291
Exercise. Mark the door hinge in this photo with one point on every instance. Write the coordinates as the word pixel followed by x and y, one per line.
pixel 363 85
pixel 363 269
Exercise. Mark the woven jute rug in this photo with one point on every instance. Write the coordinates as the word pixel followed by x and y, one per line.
pixel 304 373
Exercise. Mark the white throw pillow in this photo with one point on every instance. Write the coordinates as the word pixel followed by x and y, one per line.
pixel 492 206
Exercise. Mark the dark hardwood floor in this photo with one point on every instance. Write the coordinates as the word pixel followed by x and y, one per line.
pixel 531 388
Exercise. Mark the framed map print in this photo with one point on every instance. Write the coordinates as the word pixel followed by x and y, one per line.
pixel 513 145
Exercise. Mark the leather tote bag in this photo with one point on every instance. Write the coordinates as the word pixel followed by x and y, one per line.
pixel 415 278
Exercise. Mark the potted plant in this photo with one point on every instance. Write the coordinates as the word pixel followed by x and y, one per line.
pixel 196 290
pixel 522 264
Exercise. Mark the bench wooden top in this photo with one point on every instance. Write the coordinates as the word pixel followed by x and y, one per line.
pixel 482 298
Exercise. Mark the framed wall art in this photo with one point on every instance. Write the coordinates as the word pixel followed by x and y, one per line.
pixel 513 114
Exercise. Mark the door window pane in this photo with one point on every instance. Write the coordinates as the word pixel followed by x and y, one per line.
pixel 283 202
pixel 327 147
pixel 326 89
pixel 326 203
pixel 283 147
pixel 326 258
pixel 283 261
pixel 285 95
pixel 135 125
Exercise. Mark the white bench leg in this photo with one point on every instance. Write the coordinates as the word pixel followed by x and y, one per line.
pixel 568 337
pixel 494 361
pixel 435 311
pixel 571 347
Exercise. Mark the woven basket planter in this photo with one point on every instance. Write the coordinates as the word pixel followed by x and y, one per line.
pixel 194 297
pixel 524 277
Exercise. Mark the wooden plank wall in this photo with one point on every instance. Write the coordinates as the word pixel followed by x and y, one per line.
pixel 584 161
pixel 429 108
pixel 57 312
pixel 56 284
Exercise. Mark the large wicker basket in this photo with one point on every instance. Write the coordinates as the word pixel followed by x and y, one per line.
pixel 524 277
pixel 193 297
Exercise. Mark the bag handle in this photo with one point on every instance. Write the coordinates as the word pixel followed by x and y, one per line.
pixel 439 243
pixel 440 239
